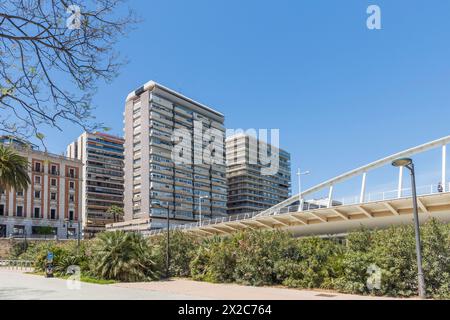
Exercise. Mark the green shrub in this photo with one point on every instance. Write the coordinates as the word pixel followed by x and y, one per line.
pixel 182 250
pixel 214 261
pixel 309 264
pixel 257 253
pixel 124 257
pixel 436 258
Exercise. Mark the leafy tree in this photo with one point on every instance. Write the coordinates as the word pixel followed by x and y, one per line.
pixel 116 211
pixel 51 55
pixel 13 170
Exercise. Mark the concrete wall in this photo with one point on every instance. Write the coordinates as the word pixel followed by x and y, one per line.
pixel 5 247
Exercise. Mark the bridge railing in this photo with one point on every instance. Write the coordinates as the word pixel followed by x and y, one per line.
pixel 370 197
pixel 392 194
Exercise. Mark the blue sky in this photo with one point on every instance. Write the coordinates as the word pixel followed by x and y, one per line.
pixel 342 95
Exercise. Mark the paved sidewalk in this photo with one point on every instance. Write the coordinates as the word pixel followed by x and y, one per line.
pixel 238 292
pixel 15 285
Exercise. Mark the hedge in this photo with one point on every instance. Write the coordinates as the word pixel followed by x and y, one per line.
pixel 262 258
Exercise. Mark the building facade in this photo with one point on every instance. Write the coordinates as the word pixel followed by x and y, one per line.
pixel 250 188
pixel 51 207
pixel 102 184
pixel 168 141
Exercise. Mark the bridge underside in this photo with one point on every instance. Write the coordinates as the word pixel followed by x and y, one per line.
pixel 338 219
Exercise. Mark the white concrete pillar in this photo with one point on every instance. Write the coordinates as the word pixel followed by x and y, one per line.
pixel 444 168
pixel 330 197
pixel 400 182
pixel 363 188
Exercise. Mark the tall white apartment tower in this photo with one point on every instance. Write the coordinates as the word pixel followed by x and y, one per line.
pixel 250 189
pixel 174 158
pixel 102 178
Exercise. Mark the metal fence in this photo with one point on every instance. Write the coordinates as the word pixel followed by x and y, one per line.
pixel 20 265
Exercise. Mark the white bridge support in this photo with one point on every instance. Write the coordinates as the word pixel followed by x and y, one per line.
pixel 363 188
pixel 400 182
pixel 444 168
pixel 330 197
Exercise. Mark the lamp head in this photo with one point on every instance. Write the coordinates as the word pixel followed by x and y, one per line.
pixel 403 162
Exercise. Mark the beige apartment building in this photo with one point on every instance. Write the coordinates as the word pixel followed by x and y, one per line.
pixel 102 183
pixel 51 207
pixel 250 188
pixel 156 184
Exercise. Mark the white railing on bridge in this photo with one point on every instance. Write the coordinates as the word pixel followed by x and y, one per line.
pixel 370 197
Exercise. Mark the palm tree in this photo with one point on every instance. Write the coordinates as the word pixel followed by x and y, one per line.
pixel 13 170
pixel 124 257
pixel 116 211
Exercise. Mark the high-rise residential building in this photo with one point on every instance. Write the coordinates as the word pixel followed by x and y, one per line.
pixel 102 156
pixel 174 158
pixel 252 185
pixel 51 206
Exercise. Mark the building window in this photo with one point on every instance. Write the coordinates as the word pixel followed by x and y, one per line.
pixel 37 194
pixel 72 173
pixel 2 230
pixel 43 231
pixel 71 215
pixel 71 198
pixel 19 211
pixel 19 193
pixel 19 230
pixel 2 209
pixel 71 232
pixel 37 213
pixel 71 185
pixel 53 182
pixel 53 214
pixel 37 167
pixel 53 196
pixel 54 170
pixel 37 179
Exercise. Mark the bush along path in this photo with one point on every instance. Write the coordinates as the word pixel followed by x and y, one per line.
pixel 380 262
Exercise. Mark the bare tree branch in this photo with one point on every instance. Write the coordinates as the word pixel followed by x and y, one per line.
pixel 53 53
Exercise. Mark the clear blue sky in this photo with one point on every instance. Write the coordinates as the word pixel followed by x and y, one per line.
pixel 341 95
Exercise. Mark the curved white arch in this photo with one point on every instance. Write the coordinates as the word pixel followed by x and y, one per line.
pixel 442 142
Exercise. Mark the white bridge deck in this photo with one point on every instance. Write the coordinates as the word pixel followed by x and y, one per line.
pixel 334 220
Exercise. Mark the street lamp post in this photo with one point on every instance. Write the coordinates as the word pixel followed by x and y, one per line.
pixel 408 163
pixel 79 235
pixel 168 243
pixel 200 207
pixel 300 174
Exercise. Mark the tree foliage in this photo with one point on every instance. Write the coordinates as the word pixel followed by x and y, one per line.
pixel 52 54
pixel 13 170
pixel 124 257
